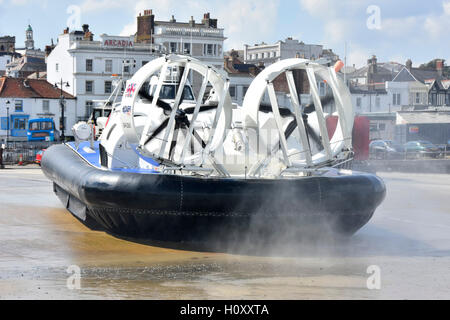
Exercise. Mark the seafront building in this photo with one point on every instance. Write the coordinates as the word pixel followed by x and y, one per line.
pixel 24 99
pixel 92 68
pixel 202 40
pixel 267 54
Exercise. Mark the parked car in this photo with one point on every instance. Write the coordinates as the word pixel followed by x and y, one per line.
pixel 39 156
pixel 419 149
pixel 447 149
pixel 386 149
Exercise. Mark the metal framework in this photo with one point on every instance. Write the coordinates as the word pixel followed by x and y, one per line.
pixel 308 133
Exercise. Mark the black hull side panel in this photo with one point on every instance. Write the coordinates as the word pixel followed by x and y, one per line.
pixel 176 208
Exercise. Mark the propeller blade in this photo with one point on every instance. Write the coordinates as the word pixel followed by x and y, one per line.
pixel 290 129
pixel 203 108
pixel 267 108
pixel 161 104
pixel 157 131
pixel 314 136
pixel 199 139
pixel 325 101
pixel 187 123
pixel 174 141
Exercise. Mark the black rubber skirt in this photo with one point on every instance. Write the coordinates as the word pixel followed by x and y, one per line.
pixel 179 208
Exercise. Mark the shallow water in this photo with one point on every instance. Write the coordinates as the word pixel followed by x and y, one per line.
pixel 408 238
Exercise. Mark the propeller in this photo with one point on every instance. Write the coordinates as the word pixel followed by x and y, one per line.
pixel 181 122
pixel 311 133
pixel 285 112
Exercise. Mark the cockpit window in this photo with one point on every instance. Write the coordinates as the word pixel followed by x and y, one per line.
pixel 168 92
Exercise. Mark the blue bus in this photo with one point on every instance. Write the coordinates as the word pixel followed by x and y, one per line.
pixel 41 130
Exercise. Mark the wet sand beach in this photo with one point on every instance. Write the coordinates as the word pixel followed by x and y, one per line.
pixel 408 239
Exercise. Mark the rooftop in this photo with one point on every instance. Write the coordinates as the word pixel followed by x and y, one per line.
pixel 29 88
pixel 424 117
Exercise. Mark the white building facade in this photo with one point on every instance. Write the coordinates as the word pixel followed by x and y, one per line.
pixel 290 48
pixel 92 68
pixel 5 58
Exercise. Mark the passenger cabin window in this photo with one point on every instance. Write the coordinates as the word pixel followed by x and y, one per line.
pixel 168 92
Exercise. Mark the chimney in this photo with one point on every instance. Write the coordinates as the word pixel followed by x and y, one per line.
pixel 439 67
pixel 192 22
pixel 173 19
pixel 85 28
pixel 208 22
pixel 373 64
pixel 66 30
pixel 145 27
pixel 409 64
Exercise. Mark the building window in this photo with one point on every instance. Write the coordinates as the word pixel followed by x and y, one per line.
pixel 57 67
pixel 45 106
pixel 381 126
pixel 377 102
pixel 233 91
pixel 322 89
pixel 187 48
pixel 108 66
pixel 89 63
pixel 89 86
pixel 396 99
pixel 89 108
pixel 210 50
pixel 126 69
pixel 244 90
pixel 19 124
pixel 18 105
pixel 108 86
pixel 417 97
pixel 173 47
pixel 358 102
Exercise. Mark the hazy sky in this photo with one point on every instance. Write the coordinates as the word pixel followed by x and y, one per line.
pixel 414 29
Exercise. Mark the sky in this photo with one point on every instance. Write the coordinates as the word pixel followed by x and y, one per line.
pixel 392 30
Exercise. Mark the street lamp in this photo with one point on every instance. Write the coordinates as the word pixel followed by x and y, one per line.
pixel 62 102
pixel 7 121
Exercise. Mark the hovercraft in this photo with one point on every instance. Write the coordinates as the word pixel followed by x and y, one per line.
pixel 182 168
